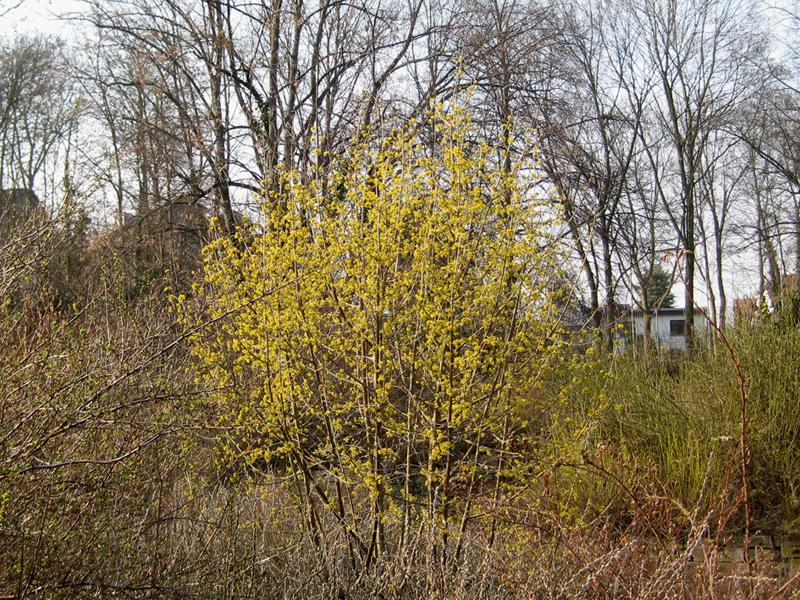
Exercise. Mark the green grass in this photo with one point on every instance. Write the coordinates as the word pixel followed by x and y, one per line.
pixel 670 427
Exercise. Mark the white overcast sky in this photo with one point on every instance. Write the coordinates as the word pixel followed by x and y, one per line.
pixel 38 16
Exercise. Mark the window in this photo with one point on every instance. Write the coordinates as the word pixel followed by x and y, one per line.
pixel 677 327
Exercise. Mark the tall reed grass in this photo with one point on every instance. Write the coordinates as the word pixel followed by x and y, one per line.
pixel 670 426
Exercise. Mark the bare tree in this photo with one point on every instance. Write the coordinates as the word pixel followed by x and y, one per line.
pixel 700 52
pixel 587 125
pixel 252 98
pixel 39 112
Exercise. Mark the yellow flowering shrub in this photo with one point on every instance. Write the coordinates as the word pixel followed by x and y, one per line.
pixel 378 334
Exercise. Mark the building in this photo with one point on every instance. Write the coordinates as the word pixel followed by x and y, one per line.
pixel 17 206
pixel 745 310
pixel 667 328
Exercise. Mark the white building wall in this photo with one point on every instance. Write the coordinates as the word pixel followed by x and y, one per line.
pixel 660 331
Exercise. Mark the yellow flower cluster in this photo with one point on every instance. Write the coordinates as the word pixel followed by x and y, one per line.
pixel 385 324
